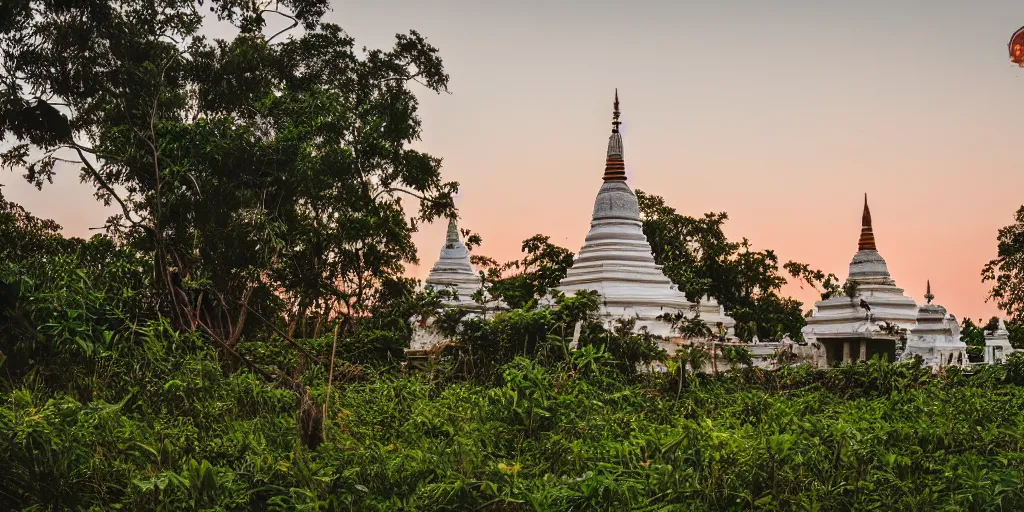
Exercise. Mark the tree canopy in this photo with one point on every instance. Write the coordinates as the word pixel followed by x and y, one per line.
pixel 257 173
pixel 697 256
pixel 1006 272
pixel 518 283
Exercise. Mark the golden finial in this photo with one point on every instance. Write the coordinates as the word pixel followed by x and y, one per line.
pixel 615 113
pixel 867 236
pixel 615 166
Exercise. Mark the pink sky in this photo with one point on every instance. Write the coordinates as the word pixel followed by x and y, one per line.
pixel 782 116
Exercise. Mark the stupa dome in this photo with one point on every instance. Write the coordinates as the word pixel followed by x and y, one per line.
pixel 867 264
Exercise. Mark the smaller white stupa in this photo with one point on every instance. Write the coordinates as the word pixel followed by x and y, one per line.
pixel 936 337
pixel 997 345
pixel 453 269
pixel 616 259
pixel 851 328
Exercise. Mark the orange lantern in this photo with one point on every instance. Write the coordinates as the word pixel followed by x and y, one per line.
pixel 1017 47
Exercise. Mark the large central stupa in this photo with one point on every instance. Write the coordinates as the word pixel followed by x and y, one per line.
pixel 616 259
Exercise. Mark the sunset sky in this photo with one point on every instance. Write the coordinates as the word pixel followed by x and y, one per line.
pixel 782 115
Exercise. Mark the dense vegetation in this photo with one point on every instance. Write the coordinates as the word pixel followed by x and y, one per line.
pixel 234 339
pixel 105 404
pixel 155 424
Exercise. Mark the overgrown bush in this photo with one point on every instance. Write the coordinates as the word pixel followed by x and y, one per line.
pixel 167 429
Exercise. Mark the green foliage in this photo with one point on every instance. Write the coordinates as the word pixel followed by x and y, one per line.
pixel 1007 271
pixel 737 355
pixel 569 435
pixel 1016 331
pixel 699 258
pixel 974 337
pixel 481 346
pixel 256 175
pixel 265 178
pixel 519 283
pixel 67 303
pixel 118 410
pixel 828 284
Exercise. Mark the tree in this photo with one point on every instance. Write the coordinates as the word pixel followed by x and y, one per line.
pixel 1016 331
pixel 698 257
pixel 257 173
pixel 518 283
pixel 1006 272
pixel 826 284
pixel 482 345
pixel 63 299
pixel 24 236
pixel 974 336
pixel 737 355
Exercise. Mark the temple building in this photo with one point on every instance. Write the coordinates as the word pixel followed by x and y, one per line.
pixel 936 337
pixel 851 327
pixel 872 317
pixel 997 345
pixel 616 259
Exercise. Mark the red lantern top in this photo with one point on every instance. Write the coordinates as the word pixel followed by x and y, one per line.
pixel 1017 47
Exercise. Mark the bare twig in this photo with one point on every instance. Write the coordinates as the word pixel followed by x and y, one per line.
pixel 156 153
pixel 106 187
pixel 412 76
pixel 294 24
pixel 407 192
pixel 282 334
pixel 236 333
pixel 330 374
pixel 251 365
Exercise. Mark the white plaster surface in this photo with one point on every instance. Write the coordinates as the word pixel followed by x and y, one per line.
pixel 842 317
pixel 453 269
pixel 997 345
pixel 616 261
pixel 936 338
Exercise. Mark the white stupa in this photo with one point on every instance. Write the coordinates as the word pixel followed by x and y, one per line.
pixel 453 269
pixel 616 259
pixel 936 337
pixel 997 345
pixel 848 328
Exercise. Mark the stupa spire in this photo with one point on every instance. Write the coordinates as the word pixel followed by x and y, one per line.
pixel 928 293
pixel 616 113
pixel 615 166
pixel 452 237
pixel 867 237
